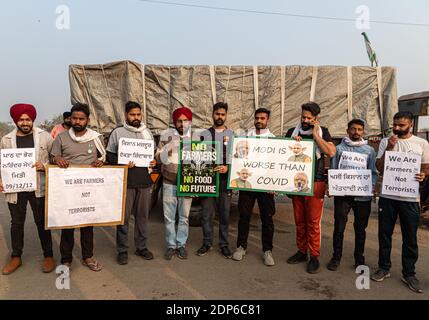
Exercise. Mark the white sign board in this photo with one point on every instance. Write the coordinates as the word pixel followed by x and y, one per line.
pixel 85 196
pixel 139 151
pixel 17 171
pixel 278 164
pixel 350 182
pixel 399 174
pixel 353 161
pixel 423 124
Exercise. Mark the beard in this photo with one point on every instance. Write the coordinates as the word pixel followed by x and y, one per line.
pixel 135 123
pixel 401 133
pixel 259 126
pixel 67 123
pixel 78 128
pixel 219 122
pixel 25 129
pixel 355 137
pixel 305 126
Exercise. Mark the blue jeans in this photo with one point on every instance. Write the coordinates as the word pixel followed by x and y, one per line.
pixel 171 202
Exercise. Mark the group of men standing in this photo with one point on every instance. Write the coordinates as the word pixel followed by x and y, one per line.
pixel 73 143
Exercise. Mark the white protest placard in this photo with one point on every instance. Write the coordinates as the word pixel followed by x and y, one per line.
pixel 139 151
pixel 272 164
pixel 353 161
pixel 350 182
pixel 400 169
pixel 85 196
pixel 17 171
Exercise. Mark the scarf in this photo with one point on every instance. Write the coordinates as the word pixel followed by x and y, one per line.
pixel 351 143
pixel 90 135
pixel 299 131
pixel 142 129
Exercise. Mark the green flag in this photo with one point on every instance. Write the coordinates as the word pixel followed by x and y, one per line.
pixel 371 53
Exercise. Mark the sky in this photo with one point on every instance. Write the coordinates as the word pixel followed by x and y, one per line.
pixel 35 54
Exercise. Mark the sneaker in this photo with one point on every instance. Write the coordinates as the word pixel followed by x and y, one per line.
pixel 182 253
pixel 122 258
pixel 413 283
pixel 333 264
pixel 226 253
pixel 268 258
pixel 298 258
pixel 313 266
pixel 204 250
pixel 169 253
pixel 239 254
pixel 380 275
pixel 145 254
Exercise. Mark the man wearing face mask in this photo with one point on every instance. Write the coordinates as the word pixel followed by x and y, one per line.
pixel 266 203
pixel 138 185
pixel 167 154
pixel 27 136
pixel 308 210
pixel 408 209
pixel 79 146
pixel 354 146
pixel 66 125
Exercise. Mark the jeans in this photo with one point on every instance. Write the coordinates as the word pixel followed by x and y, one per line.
pixel 267 208
pixel 138 205
pixel 209 206
pixel 18 213
pixel 172 203
pixel 361 210
pixel 409 217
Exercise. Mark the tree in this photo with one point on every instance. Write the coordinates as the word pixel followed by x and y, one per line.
pixel 5 128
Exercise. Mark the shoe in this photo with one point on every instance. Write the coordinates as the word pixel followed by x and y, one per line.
pixel 239 254
pixel 169 253
pixel 48 265
pixel 145 254
pixel 226 253
pixel 268 258
pixel 413 283
pixel 333 264
pixel 204 250
pixel 182 253
pixel 13 264
pixel 122 258
pixel 380 275
pixel 313 266
pixel 298 258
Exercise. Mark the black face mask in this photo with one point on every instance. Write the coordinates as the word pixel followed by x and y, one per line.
pixel 78 128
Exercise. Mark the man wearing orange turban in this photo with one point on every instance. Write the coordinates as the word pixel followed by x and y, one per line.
pixel 28 136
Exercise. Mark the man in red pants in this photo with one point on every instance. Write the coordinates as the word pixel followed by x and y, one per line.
pixel 308 210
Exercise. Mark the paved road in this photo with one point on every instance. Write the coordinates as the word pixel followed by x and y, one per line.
pixel 211 276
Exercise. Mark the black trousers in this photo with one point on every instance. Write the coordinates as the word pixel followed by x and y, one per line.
pixel 362 211
pixel 18 214
pixel 267 208
pixel 409 217
pixel 67 243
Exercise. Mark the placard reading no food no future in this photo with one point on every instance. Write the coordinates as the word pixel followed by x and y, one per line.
pixel 196 175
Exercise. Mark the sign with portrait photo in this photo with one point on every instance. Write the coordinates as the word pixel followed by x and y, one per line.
pixel 272 165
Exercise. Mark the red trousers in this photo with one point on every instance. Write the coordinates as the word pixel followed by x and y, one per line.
pixel 308 214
